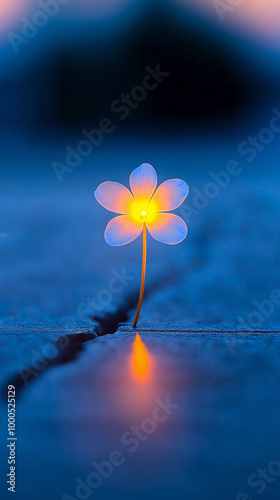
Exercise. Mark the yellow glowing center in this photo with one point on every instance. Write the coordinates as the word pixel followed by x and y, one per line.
pixel 143 215
pixel 143 211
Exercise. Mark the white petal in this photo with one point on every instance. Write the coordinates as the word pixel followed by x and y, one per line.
pixel 170 195
pixel 143 182
pixel 115 197
pixel 168 228
pixel 122 230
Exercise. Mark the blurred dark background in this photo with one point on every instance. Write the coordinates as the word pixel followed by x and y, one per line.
pixel 63 66
pixel 76 61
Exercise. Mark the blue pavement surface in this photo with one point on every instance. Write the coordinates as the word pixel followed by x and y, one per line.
pixel 216 293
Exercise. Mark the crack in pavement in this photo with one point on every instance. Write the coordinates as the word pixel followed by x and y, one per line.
pixel 70 345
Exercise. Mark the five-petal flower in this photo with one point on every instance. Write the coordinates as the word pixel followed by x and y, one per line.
pixel 145 205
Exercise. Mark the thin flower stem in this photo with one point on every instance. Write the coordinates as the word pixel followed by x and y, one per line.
pixel 144 258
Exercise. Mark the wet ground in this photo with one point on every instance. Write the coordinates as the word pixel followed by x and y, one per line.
pixel 210 323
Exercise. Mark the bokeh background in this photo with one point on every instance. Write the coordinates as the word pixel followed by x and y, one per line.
pixel 63 65
pixel 60 74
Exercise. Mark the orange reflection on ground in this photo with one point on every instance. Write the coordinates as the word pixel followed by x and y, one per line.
pixel 141 361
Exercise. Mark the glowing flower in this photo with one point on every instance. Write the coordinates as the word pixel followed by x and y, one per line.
pixel 145 207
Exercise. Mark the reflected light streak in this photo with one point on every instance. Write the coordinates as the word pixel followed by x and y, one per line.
pixel 141 362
